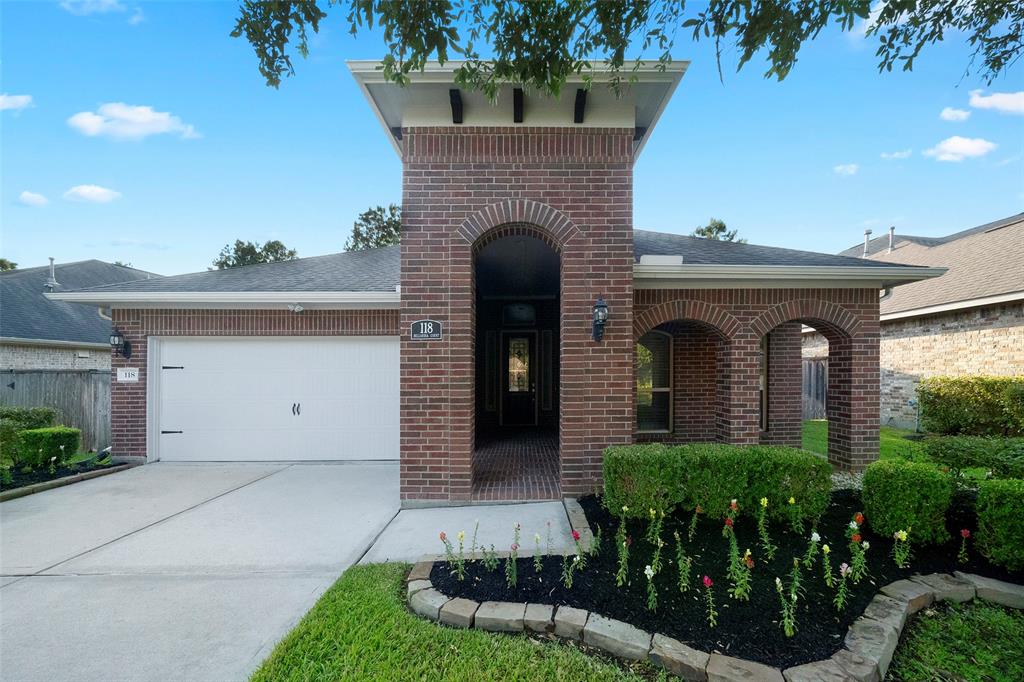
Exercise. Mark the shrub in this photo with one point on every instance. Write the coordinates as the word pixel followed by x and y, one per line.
pixel 1008 461
pixel 1001 522
pixel 1003 456
pixel 909 496
pixel 37 446
pixel 979 406
pixel 640 477
pixel 13 420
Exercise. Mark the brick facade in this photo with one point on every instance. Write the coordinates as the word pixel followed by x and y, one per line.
pixel 128 400
pixel 572 187
pixel 18 356
pixel 982 341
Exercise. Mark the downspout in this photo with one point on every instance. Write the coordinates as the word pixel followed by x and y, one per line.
pixel 886 294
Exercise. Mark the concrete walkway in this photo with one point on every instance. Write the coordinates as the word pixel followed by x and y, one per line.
pixel 178 571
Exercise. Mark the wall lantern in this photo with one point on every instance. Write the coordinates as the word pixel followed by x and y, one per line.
pixel 120 344
pixel 600 317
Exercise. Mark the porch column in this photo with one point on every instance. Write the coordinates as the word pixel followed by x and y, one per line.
pixel 852 401
pixel 738 390
pixel 785 368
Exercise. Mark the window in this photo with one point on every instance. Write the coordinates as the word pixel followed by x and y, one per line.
pixel 654 382
pixel 518 365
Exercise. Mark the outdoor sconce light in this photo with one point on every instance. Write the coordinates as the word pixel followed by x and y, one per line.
pixel 120 344
pixel 600 317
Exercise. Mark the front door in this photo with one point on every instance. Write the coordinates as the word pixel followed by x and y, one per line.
pixel 519 379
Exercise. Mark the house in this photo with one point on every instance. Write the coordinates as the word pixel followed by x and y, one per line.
pixel 44 334
pixel 968 322
pixel 522 327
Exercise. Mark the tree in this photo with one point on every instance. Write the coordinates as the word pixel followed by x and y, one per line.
pixel 540 43
pixel 122 264
pixel 250 253
pixel 6 265
pixel 716 229
pixel 376 227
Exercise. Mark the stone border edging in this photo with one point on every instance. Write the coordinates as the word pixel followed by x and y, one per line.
pixel 865 657
pixel 43 486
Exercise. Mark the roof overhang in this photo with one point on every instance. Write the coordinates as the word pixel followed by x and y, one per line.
pixel 707 276
pixel 344 300
pixel 426 101
pixel 54 343
pixel 954 306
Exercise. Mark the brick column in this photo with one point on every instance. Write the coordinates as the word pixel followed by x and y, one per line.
pixel 852 402
pixel 738 390
pixel 784 386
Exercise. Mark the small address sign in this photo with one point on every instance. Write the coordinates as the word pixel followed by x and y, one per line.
pixel 425 330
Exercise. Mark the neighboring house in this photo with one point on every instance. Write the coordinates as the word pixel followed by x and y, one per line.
pixel 968 322
pixel 39 333
pixel 521 328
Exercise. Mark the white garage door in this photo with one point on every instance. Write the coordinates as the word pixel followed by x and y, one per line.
pixel 242 399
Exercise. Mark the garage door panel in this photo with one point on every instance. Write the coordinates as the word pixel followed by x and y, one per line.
pixel 279 398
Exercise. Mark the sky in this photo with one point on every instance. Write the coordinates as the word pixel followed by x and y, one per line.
pixel 143 133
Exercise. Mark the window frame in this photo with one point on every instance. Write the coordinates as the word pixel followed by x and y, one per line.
pixel 670 389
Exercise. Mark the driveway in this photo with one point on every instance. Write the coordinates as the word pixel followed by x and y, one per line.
pixel 178 571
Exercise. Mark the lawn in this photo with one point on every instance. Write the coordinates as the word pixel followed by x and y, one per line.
pixel 361 629
pixel 893 442
pixel 976 641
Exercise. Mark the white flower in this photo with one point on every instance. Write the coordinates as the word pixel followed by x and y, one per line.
pixel 778 583
pixel 865 545
pixel 649 572
pixel 536 537
pixel 853 525
pixel 815 537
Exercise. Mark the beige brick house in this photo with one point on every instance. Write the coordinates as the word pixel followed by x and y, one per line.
pixel 968 322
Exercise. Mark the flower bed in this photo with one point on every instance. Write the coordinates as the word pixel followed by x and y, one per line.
pixel 21 479
pixel 751 630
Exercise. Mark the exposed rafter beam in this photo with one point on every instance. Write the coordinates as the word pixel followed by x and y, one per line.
pixel 517 105
pixel 455 96
pixel 581 105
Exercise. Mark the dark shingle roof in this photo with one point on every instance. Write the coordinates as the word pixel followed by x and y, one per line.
pixel 25 313
pixel 713 252
pixel 370 270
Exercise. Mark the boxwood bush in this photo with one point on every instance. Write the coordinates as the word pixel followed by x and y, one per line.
pixel 37 446
pixel 978 406
pixel 911 496
pixel 1004 457
pixel 1001 522
pixel 14 420
pixel 710 475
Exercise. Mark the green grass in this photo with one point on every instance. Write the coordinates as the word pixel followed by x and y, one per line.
pixel 893 443
pixel 361 630
pixel 976 641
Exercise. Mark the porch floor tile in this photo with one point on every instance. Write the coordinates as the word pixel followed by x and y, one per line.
pixel 517 466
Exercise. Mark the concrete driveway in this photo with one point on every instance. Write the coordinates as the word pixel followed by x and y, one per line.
pixel 178 571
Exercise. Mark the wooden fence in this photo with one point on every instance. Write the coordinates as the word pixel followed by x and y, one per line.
pixel 81 398
pixel 815 388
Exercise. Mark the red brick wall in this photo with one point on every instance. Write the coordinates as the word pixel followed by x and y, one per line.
pixel 785 374
pixel 573 187
pixel 128 401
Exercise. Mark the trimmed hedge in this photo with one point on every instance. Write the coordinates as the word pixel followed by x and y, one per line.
pixel 1003 456
pixel 1001 522
pixel 977 406
pixel 36 447
pixel 911 496
pixel 13 420
pixel 667 477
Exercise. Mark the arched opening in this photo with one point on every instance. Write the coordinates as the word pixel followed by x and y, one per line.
pixel 517 290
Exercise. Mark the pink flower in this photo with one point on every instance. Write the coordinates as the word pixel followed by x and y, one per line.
pixel 859 518
pixel 443 536
pixel 728 522
pixel 965 533
pixel 733 505
pixel 514 546
pixel 707 582
pixel 576 535
pixel 855 537
pixel 844 569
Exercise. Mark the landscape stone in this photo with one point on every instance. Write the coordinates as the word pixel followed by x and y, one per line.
pixel 579 523
pixel 415 586
pixel 428 603
pixel 917 595
pixel 892 612
pixel 539 617
pixel 858 667
pixel 617 638
pixel 819 671
pixel 500 616
pixel 679 659
pixel 996 591
pixel 946 587
pixel 873 640
pixel 458 612
pixel 569 622
pixel 728 669
pixel 421 571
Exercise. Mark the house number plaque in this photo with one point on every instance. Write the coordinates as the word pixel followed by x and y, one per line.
pixel 425 330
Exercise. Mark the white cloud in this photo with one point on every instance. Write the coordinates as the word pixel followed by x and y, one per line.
pixel 93 194
pixel 14 102
pixel 32 199
pixel 846 169
pixel 958 148
pixel 84 7
pixel 127 122
pixel 1003 102
pixel 137 17
pixel 902 154
pixel 951 114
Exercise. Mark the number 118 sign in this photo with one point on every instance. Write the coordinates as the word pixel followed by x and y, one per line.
pixel 425 330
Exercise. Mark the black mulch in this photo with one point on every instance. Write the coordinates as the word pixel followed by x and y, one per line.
pixel 22 479
pixel 748 630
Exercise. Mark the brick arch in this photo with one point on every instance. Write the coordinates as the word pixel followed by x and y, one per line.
pixel 683 309
pixel 833 321
pixel 518 216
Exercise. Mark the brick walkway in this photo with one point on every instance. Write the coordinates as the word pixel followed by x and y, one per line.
pixel 521 466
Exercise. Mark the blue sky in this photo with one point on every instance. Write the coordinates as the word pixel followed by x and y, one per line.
pixel 796 164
